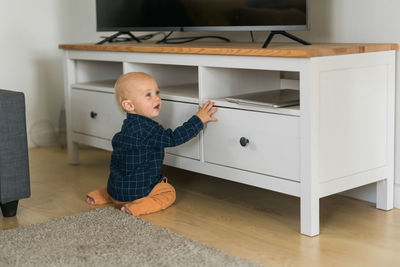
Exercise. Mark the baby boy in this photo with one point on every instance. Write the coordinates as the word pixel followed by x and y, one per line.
pixel 135 183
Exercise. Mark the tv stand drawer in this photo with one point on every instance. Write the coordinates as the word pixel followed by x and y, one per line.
pixel 272 147
pixel 95 114
pixel 174 114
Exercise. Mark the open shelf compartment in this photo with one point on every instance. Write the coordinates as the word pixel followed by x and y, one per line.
pixel 218 83
pixel 176 82
pixel 97 75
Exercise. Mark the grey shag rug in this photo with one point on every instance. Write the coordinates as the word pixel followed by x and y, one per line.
pixel 106 237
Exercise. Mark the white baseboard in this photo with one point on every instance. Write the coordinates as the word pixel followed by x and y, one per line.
pixel 366 193
pixel 397 196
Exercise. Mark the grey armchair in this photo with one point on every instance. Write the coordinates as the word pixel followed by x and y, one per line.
pixel 14 165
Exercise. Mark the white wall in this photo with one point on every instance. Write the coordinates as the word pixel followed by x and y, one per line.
pixel 30 32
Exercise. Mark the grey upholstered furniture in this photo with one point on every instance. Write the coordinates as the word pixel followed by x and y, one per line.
pixel 14 165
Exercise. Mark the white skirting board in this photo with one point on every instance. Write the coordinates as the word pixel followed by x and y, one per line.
pixel 397 196
pixel 368 193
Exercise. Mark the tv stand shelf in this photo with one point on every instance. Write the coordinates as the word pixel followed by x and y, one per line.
pixel 340 137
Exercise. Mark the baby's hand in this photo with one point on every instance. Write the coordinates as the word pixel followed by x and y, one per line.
pixel 206 111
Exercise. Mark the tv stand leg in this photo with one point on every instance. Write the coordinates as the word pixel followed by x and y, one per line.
pixel 286 34
pixel 309 215
pixel 73 153
pixel 384 194
pixel 114 36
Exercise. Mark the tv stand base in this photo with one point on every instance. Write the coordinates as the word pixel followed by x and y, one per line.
pixel 114 36
pixel 288 35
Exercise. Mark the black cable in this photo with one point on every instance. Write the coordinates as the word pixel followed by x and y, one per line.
pixel 165 38
pixel 182 40
pixel 127 39
pixel 252 37
pixel 118 39
pixel 150 35
pixel 191 39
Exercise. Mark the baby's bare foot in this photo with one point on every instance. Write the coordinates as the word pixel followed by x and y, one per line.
pixel 126 210
pixel 89 200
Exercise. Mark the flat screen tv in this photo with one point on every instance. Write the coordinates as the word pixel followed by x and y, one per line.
pixel 201 15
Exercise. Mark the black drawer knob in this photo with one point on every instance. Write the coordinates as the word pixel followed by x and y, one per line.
pixel 244 141
pixel 93 114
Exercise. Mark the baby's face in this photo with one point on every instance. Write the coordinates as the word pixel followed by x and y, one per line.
pixel 145 97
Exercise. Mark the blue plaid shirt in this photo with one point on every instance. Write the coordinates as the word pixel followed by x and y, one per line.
pixel 138 154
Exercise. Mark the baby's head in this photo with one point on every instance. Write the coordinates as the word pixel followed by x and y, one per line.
pixel 138 93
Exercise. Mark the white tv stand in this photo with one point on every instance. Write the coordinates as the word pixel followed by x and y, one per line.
pixel 341 136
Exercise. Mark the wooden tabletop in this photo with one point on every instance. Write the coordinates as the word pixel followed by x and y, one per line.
pixel 238 49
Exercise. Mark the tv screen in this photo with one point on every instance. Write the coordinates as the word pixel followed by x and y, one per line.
pixel 197 15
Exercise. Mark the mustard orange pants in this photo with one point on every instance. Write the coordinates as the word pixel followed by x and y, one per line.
pixel 161 197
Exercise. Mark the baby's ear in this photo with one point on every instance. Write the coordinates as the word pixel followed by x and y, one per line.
pixel 128 106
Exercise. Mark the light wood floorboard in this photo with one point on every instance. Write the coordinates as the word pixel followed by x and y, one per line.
pixel 241 220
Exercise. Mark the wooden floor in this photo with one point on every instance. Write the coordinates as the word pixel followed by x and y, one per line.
pixel 245 221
